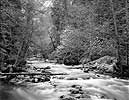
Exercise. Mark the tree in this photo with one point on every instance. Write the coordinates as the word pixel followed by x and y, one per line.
pixel 59 15
pixel 112 14
pixel 42 37
pixel 127 19
pixel 11 27
pixel 77 27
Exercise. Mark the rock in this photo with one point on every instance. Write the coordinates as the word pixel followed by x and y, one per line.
pixel 86 70
pixel 74 91
pixel 44 70
pixel 67 97
pixel 106 64
pixel 35 80
pixel 86 78
pixel 48 67
pixel 105 68
pixel 84 60
pixel 38 70
pixel 47 79
pixel 106 60
pixel 77 87
pixel 71 61
pixel 81 92
pixel 78 96
pixel 71 78
pixel 61 77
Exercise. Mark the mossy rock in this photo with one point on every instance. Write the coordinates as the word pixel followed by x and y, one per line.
pixel 71 61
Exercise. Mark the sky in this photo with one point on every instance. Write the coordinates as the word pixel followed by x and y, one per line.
pixel 48 3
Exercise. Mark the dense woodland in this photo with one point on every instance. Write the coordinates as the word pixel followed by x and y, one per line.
pixel 72 32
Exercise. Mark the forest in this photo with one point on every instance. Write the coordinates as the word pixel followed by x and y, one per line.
pixel 61 39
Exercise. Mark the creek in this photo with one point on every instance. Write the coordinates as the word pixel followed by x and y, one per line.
pixel 94 88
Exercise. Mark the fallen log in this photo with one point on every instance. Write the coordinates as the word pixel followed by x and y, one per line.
pixel 3 74
pixel 75 68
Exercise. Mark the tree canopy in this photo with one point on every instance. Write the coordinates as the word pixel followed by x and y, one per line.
pixel 66 30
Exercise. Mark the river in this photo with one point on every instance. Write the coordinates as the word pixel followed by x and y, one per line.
pixel 102 88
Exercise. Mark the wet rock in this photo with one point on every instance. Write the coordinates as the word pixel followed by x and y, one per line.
pixel 77 87
pixel 86 70
pixel 38 70
pixel 43 71
pixel 81 92
pixel 48 67
pixel 67 97
pixel 47 79
pixel 71 78
pixel 61 77
pixel 74 86
pixel 86 78
pixel 53 77
pixel 74 91
pixel 46 71
pixel 78 96
pixel 103 97
pixel 35 80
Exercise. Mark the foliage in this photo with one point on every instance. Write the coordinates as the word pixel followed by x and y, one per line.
pixel 11 29
pixel 16 20
pixel 67 30
pixel 81 36
pixel 114 13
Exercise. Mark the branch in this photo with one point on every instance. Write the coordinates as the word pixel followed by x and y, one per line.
pixel 117 12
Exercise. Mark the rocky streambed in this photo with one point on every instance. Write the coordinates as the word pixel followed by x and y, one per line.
pixel 76 85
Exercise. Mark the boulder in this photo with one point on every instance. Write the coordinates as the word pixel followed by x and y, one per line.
pixel 105 68
pixel 106 64
pixel 106 60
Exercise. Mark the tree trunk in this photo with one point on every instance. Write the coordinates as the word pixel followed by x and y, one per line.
pixel 27 35
pixel 54 47
pixel 117 36
pixel 127 19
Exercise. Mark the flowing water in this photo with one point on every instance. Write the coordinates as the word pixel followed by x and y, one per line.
pixel 111 88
